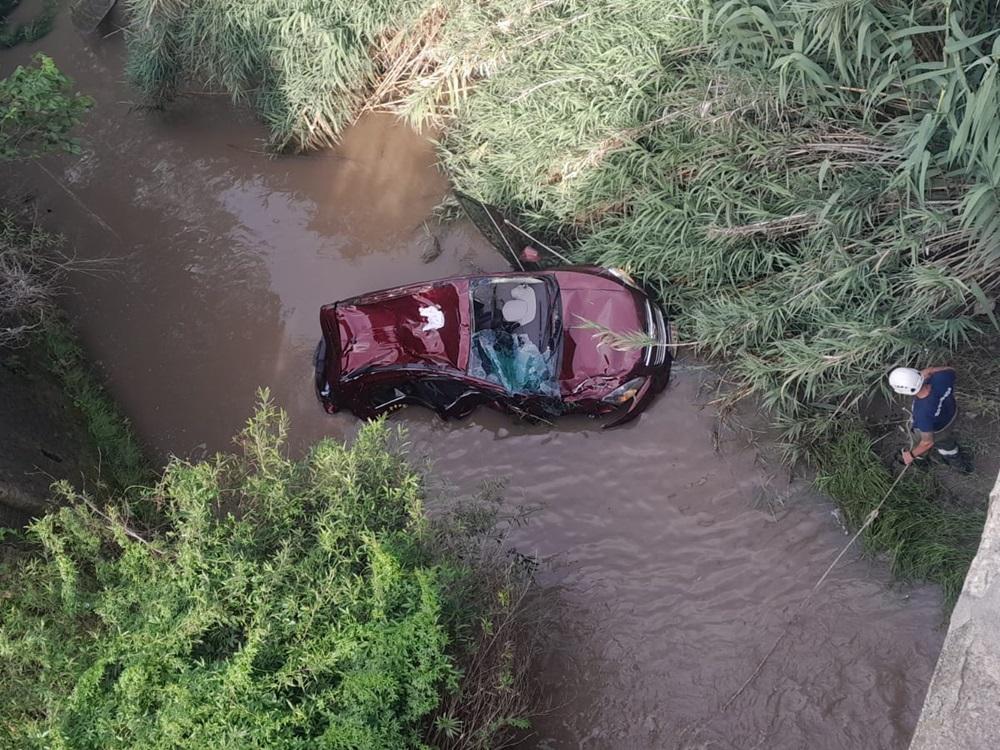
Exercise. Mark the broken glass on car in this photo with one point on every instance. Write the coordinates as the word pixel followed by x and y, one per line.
pixel 516 334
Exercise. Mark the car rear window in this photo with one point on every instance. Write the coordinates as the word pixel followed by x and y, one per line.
pixel 515 334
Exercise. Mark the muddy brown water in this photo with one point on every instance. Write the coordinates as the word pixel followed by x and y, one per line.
pixel 674 582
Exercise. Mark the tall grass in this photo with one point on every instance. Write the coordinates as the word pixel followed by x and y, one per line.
pixel 31 271
pixel 303 64
pixel 811 186
pixel 123 464
pixel 27 31
pixel 924 536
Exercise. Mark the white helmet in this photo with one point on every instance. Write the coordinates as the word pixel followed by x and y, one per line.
pixel 906 380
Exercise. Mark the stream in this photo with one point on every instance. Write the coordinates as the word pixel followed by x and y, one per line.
pixel 675 577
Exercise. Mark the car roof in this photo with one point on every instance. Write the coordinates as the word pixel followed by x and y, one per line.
pixel 396 328
pixel 422 325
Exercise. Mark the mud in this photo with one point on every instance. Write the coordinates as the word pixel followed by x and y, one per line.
pixel 675 578
pixel 44 436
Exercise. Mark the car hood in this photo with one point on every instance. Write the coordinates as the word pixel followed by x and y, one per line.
pixel 591 369
pixel 425 325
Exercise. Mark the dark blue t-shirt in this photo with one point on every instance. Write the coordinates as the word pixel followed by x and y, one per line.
pixel 936 410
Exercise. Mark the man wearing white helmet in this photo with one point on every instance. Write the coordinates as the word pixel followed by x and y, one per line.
pixel 934 412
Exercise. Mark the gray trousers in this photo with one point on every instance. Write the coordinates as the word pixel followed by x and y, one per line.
pixel 945 442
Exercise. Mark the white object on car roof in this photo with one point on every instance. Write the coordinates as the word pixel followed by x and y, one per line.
pixel 434 317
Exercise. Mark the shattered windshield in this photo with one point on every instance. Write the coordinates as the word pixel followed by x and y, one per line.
pixel 516 334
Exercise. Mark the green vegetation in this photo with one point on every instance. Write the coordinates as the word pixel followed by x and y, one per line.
pixel 37 111
pixel 29 31
pixel 305 65
pixel 29 275
pixel 248 600
pixel 277 603
pixel 122 462
pixel 809 185
pixel 925 536
pixel 32 268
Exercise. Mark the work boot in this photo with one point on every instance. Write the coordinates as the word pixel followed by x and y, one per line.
pixel 959 461
pixel 951 453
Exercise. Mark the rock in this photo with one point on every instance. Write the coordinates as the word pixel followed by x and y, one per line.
pixel 432 250
pixel 88 14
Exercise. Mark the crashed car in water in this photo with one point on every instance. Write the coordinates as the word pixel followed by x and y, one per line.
pixel 533 344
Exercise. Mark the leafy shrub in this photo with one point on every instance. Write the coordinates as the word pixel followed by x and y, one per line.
pixel 280 603
pixel 37 111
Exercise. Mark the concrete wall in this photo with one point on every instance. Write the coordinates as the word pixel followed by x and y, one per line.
pixel 962 707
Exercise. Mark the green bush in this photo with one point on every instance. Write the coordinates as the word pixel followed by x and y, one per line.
pixel 37 111
pixel 279 603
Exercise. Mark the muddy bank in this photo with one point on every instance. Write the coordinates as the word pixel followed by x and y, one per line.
pixel 45 436
pixel 675 579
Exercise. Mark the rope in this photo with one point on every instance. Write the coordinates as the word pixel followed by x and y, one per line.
pixel 537 241
pixel 502 236
pixel 868 521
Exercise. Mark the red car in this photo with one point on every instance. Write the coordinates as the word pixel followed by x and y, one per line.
pixel 524 343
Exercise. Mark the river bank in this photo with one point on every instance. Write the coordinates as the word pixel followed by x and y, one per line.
pixel 62 425
pixel 46 437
